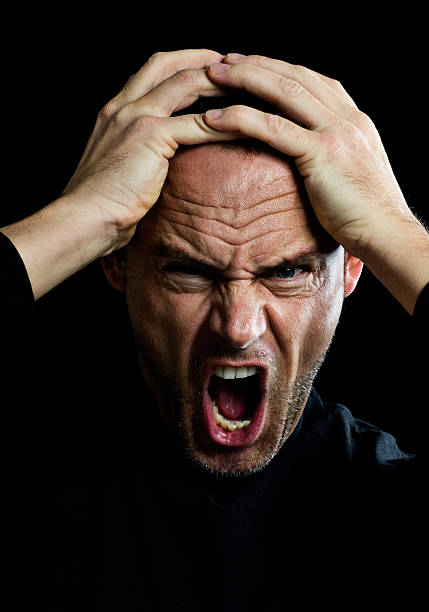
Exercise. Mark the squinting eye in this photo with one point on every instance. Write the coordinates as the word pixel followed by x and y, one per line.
pixel 185 270
pixel 179 268
pixel 286 272
pixel 287 280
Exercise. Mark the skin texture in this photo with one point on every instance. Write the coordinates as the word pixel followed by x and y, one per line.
pixel 339 153
pixel 122 169
pixel 238 213
pixel 335 146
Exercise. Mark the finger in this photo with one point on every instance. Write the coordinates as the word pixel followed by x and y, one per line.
pixel 278 132
pixel 192 129
pixel 172 94
pixel 287 94
pixel 175 93
pixel 329 91
pixel 161 66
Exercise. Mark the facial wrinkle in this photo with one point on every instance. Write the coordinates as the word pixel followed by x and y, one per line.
pixel 206 205
pixel 228 224
pixel 229 242
pixel 175 327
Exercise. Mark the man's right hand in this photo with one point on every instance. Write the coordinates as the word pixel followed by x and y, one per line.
pixel 125 163
pixel 122 170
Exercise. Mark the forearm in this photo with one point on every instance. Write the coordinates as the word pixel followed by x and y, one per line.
pixel 398 255
pixel 122 170
pixel 59 240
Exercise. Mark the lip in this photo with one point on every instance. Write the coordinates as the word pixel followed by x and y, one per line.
pixel 239 437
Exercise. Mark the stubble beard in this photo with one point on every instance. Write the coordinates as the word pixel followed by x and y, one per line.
pixel 183 401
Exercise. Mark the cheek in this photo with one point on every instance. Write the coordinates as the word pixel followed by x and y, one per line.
pixel 323 317
pixel 165 325
pixel 304 327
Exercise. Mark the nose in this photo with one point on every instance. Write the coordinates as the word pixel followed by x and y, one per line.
pixel 238 316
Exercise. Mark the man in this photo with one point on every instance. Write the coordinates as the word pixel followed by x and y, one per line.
pixel 234 283
pixel 244 293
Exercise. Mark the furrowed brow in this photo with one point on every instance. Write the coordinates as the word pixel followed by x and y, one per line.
pixel 179 257
pixel 300 259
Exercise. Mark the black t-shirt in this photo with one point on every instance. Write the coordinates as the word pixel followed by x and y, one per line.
pixel 333 522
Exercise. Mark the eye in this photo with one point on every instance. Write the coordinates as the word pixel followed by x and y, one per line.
pixel 286 272
pixel 188 270
pixel 179 268
pixel 290 280
pixel 187 278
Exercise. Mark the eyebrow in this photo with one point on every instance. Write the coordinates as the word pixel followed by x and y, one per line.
pixel 178 256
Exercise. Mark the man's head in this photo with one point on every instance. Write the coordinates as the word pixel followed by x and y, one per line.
pixel 230 274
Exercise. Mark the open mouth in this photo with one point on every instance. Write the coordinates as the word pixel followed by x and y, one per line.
pixel 234 403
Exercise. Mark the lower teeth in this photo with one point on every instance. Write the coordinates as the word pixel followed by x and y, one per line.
pixel 226 423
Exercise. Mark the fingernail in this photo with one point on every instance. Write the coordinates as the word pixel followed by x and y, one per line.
pixel 219 68
pixel 215 113
pixel 235 57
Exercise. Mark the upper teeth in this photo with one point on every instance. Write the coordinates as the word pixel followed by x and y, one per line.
pixel 231 372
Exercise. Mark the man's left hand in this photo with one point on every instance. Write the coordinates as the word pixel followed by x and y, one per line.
pixel 339 153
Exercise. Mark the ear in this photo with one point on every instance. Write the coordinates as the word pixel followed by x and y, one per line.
pixel 114 268
pixel 352 271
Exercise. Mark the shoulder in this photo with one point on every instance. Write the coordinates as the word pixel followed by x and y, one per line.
pixel 352 440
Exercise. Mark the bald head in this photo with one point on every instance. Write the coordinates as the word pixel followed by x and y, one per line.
pixel 239 165
pixel 236 204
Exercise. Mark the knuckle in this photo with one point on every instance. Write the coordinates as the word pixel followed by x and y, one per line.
pixel 273 122
pixel 301 68
pixel 130 78
pixel 363 121
pixel 143 124
pixel 289 87
pixel 352 135
pixel 335 84
pixel 107 111
pixel 156 56
pixel 311 74
pixel 186 76
pixel 332 142
pixel 345 135
pixel 122 116
pixel 156 60
pixel 239 111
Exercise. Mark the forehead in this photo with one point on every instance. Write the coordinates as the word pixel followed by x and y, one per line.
pixel 233 207
pixel 231 172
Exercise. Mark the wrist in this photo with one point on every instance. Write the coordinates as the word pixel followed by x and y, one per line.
pixel 85 222
pixel 397 253
pixel 61 239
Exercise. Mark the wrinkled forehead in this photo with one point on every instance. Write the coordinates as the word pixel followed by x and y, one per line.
pixel 218 199
pixel 229 176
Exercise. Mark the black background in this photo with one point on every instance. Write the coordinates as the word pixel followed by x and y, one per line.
pixel 60 67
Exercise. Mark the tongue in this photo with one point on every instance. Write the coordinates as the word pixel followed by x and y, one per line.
pixel 231 396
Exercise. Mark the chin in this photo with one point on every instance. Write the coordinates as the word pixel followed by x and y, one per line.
pixel 229 464
pixel 229 461
pixel 231 467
